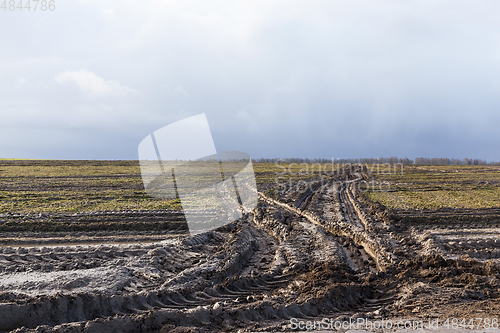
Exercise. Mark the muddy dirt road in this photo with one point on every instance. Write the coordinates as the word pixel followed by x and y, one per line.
pixel 317 250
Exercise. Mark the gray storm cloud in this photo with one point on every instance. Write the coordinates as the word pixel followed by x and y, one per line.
pixel 309 79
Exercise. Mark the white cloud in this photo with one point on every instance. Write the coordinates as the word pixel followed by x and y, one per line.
pixel 94 86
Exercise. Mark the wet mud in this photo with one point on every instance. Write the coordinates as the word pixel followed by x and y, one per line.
pixel 319 250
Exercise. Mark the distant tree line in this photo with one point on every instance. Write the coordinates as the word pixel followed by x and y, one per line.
pixel 452 161
pixel 382 160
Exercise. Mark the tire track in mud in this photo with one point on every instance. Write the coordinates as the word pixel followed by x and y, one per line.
pixel 97 221
pixel 250 274
pixel 371 245
pixel 253 252
pixel 313 252
pixel 211 281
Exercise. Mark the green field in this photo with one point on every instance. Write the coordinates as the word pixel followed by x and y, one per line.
pixel 435 187
pixel 39 186
pixel 72 186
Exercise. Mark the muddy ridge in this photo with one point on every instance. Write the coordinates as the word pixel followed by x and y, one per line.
pixel 313 251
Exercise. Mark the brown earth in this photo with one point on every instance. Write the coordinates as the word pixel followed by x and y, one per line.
pixel 317 250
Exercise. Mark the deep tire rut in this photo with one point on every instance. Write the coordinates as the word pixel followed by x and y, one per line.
pixel 312 251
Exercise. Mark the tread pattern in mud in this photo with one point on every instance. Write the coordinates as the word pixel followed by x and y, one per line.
pixel 316 250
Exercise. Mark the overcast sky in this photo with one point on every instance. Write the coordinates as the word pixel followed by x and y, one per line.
pixel 340 79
